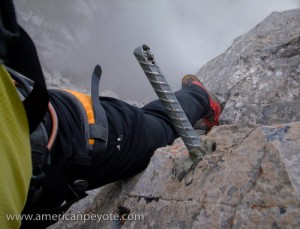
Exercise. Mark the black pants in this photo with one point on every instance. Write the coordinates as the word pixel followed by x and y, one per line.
pixel 134 134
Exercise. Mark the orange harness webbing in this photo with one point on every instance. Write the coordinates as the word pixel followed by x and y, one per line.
pixel 86 102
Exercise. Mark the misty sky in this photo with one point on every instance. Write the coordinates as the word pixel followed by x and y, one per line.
pixel 72 36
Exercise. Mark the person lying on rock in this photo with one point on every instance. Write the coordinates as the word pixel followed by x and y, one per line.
pixel 79 144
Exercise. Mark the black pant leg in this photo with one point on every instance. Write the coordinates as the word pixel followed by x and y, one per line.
pixel 134 134
pixel 193 100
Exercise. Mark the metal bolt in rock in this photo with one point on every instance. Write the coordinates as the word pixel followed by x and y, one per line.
pixel 170 102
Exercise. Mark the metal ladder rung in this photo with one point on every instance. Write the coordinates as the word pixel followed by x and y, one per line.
pixel 169 101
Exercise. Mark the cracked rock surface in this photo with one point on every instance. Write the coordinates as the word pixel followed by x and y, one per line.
pixel 252 179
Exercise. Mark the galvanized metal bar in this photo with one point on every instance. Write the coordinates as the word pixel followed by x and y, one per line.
pixel 170 102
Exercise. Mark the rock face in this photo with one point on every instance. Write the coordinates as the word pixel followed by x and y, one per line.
pixel 252 180
pixel 258 77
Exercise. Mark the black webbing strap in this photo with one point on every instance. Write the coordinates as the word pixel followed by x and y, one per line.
pixel 36 99
pixel 36 106
pixel 99 130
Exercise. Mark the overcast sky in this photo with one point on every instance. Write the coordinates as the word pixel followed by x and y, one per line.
pixel 72 36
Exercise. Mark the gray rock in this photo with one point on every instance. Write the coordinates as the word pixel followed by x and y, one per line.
pixel 252 179
pixel 258 77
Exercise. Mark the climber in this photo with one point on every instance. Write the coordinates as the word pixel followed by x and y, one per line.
pixel 96 140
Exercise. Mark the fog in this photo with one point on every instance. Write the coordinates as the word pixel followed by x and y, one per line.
pixel 72 36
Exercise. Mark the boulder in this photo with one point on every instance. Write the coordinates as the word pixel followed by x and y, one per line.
pixel 252 179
